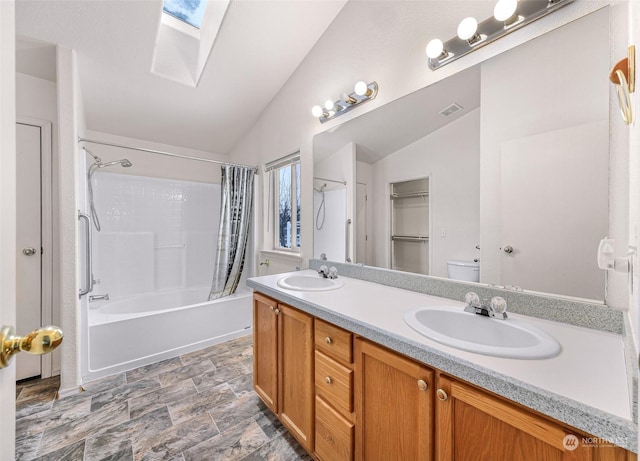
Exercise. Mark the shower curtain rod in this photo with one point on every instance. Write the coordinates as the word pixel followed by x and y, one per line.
pixel 169 154
pixel 330 180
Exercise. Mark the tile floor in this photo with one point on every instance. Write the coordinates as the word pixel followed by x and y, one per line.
pixel 200 406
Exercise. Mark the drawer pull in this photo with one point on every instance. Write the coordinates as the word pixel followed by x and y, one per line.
pixel 328 340
pixel 328 380
pixel 422 385
pixel 442 395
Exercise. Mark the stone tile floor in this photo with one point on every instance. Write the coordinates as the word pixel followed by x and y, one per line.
pixel 196 407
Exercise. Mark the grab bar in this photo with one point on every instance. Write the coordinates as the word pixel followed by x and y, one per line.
pixel 88 278
pixel 346 242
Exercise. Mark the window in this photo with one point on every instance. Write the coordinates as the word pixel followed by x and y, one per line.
pixel 285 175
pixel 189 11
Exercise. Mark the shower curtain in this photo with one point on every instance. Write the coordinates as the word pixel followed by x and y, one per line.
pixel 235 218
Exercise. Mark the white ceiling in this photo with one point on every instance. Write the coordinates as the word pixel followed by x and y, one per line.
pixel 259 46
pixel 395 125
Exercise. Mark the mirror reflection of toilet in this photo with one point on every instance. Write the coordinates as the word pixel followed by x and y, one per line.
pixel 467 271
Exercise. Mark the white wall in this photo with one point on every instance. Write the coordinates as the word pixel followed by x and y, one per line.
pixel 450 157
pixel 37 98
pixel 520 89
pixel 382 41
pixel 155 165
pixel 633 17
pixel 70 126
pixel 157 234
pixel 7 225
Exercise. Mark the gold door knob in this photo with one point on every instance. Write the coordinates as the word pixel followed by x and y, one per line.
pixel 38 342
pixel 442 395
pixel 328 340
pixel 422 385
pixel 328 380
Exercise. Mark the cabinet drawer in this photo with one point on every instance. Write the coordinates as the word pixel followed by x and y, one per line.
pixel 333 341
pixel 334 382
pixel 334 434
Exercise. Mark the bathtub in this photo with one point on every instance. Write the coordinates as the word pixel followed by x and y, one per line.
pixel 131 332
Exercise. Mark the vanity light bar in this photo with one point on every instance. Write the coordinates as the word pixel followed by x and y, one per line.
pixel 362 92
pixel 468 40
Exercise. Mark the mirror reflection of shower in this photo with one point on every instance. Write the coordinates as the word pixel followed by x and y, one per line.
pixel 321 207
pixel 96 165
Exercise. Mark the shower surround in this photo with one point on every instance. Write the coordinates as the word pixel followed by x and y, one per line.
pixel 155 257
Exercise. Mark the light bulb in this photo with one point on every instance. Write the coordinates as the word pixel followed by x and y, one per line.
pixel 329 105
pixel 348 99
pixel 317 111
pixel 467 28
pixel 435 48
pixel 505 10
pixel 361 88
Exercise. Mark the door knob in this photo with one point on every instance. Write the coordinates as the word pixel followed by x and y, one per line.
pixel 29 251
pixel 508 249
pixel 38 342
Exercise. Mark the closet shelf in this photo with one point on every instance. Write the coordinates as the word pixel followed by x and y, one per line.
pixel 409 238
pixel 409 195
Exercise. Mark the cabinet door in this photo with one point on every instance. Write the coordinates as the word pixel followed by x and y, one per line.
pixel 265 350
pixel 296 399
pixel 472 425
pixel 394 406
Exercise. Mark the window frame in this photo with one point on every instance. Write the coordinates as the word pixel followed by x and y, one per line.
pixel 295 202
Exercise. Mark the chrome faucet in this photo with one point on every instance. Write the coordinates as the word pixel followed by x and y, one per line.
pixel 328 272
pixel 104 297
pixel 496 308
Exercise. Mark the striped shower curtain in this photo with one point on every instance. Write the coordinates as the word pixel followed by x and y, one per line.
pixel 235 217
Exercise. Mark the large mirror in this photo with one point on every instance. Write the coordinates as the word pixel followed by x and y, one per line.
pixel 497 174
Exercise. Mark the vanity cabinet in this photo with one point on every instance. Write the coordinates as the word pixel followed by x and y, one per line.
pixel 394 405
pixel 335 428
pixel 344 398
pixel 473 425
pixel 283 365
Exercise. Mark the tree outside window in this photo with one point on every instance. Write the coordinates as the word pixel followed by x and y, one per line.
pixel 288 207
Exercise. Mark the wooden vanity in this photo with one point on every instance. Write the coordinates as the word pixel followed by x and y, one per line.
pixel 344 397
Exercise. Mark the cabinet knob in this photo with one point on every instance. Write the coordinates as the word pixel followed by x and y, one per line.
pixel 272 308
pixel 277 311
pixel 328 340
pixel 442 395
pixel 422 385
pixel 328 380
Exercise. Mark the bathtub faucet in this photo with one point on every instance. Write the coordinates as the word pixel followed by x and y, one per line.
pixel 104 297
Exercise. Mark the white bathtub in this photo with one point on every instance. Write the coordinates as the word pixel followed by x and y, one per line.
pixel 131 332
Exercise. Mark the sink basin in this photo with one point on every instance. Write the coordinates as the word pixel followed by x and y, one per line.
pixel 510 338
pixel 309 283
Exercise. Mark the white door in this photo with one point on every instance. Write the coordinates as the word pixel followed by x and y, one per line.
pixel 8 219
pixel 555 210
pixel 361 224
pixel 28 241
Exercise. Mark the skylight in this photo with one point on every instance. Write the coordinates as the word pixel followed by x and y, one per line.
pixel 188 11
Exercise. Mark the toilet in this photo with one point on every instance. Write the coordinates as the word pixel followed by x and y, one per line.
pixel 468 271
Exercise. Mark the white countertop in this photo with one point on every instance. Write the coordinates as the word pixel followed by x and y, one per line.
pixel 590 369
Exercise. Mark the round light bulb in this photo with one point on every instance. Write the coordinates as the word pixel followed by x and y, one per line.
pixel 329 105
pixel 317 111
pixel 467 28
pixel 505 9
pixel 360 88
pixel 435 48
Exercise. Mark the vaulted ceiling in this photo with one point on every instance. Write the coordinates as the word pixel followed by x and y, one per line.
pixel 260 44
